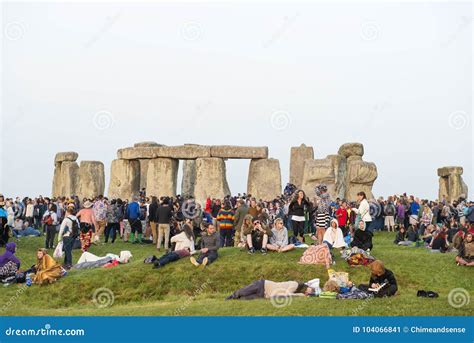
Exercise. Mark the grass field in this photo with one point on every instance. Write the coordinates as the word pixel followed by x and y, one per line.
pixel 182 289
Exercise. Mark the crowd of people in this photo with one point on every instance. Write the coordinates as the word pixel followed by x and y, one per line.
pixel 180 227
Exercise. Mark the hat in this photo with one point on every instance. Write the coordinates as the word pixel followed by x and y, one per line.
pixel 87 204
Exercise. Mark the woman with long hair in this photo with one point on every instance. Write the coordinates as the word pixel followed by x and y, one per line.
pixel 297 210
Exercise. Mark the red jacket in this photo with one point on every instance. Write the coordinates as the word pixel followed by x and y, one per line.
pixel 341 215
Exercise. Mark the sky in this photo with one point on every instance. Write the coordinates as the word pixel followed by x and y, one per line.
pixel 95 77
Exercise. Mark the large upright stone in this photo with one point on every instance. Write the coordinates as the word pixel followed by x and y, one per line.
pixel 162 177
pixel 210 179
pixel 298 156
pixel 239 152
pixel 316 172
pixel 91 179
pixel 69 156
pixel 69 178
pixel 143 172
pixel 451 183
pixel 124 179
pixel 189 178
pixel 264 180
pixel 361 176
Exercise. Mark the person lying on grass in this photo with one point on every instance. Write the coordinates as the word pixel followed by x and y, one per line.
pixel 257 237
pixel 209 247
pixel 466 252
pixel 170 257
pixel 382 281
pixel 269 289
pixel 279 238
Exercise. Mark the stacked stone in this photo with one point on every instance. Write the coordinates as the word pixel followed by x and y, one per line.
pixel 86 180
pixel 345 174
pixel 451 183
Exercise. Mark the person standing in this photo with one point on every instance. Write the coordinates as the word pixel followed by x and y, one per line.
pixel 323 203
pixel 100 215
pixel 50 220
pixel 225 219
pixel 297 211
pixel 390 211
pixel 152 215
pixel 364 209
pixel 133 216
pixel 164 214
pixel 343 218
pixel 68 233
pixel 240 213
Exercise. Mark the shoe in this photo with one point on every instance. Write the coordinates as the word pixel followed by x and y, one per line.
pixel 205 261
pixel 251 251
pixel 263 251
pixel 156 265
pixel 230 297
pixel 422 294
pixel 194 262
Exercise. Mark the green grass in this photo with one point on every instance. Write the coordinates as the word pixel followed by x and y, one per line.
pixel 181 289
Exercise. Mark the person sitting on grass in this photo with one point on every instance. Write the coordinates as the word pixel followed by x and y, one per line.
pixel 466 252
pixel 209 247
pixel 269 289
pixel 170 257
pixel 184 239
pixel 257 237
pixel 382 281
pixel 440 242
pixel 24 230
pixel 412 234
pixel 362 238
pixel 401 236
pixel 279 238
pixel 47 270
pixel 333 236
pixel 9 263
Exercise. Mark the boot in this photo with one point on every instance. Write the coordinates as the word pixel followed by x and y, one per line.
pixel 139 238
pixel 131 238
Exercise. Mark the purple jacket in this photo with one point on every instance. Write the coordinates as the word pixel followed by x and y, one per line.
pixel 9 255
pixel 401 211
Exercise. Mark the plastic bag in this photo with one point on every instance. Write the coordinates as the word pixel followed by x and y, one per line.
pixel 58 252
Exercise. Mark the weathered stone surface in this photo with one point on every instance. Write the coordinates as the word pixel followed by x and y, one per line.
pixel 339 164
pixel 316 172
pixel 91 179
pixel 361 176
pixel 65 179
pixel 451 183
pixel 124 179
pixel 162 177
pixel 210 179
pixel 137 153
pixel 351 149
pixel 70 156
pixel 146 144
pixel 143 172
pixel 189 178
pixel 182 152
pixel 239 152
pixel 298 156
pixel 446 171
pixel 264 180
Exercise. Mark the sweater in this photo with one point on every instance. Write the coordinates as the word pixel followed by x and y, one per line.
pixel 164 213
pixel 182 242
pixel 280 289
pixel 225 219
pixel 210 242
pixel 279 237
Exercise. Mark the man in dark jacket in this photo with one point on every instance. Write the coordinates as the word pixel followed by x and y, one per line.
pixel 257 237
pixel 209 247
pixel 152 216
pixel 164 213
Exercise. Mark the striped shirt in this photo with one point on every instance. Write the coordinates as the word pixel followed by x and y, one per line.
pixel 226 219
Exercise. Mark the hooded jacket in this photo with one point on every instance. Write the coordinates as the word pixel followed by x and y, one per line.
pixel 334 236
pixel 9 255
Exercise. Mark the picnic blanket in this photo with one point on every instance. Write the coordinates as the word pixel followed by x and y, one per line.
pixel 317 254
pixel 357 257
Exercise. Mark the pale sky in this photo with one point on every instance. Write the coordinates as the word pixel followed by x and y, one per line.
pixel 94 78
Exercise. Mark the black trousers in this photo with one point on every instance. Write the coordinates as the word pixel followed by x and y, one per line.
pixel 211 257
pixel 50 233
pixel 298 228
pixel 111 231
pixel 136 225
pixel 167 258
pixel 387 291
pixel 255 290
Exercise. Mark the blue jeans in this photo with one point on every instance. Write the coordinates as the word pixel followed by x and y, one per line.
pixel 68 243
pixel 211 256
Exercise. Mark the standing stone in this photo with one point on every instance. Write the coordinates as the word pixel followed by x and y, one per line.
pixel 91 179
pixel 316 172
pixel 451 183
pixel 162 177
pixel 351 149
pixel 124 179
pixel 69 156
pixel 264 180
pixel 360 177
pixel 210 179
pixel 56 192
pixel 69 177
pixel 298 156
pixel 189 178
pixel 143 172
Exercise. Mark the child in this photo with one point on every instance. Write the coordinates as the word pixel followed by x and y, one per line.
pixel 380 277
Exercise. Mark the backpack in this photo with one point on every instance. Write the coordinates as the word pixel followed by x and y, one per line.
pixel 75 228
pixel 48 219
